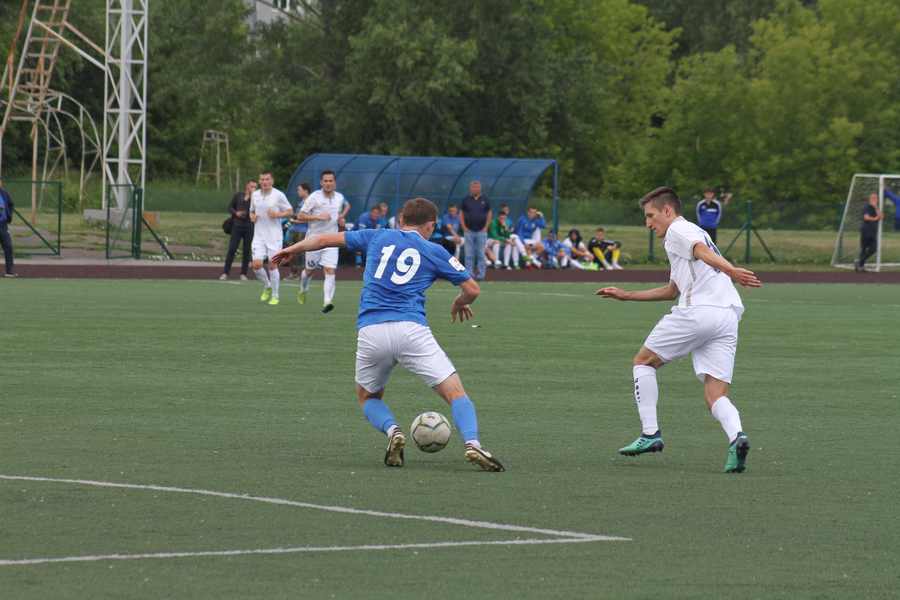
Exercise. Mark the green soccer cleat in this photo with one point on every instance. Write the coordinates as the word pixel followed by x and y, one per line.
pixel 273 301
pixel 736 462
pixel 645 443
pixel 266 295
pixel 301 297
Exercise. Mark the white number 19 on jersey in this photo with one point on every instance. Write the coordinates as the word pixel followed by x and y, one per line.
pixel 407 264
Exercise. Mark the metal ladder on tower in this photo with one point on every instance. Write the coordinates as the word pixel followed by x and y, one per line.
pixel 28 87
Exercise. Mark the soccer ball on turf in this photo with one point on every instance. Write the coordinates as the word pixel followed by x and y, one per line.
pixel 430 431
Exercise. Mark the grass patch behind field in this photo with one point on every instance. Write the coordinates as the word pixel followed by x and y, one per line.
pixel 197 385
pixel 198 236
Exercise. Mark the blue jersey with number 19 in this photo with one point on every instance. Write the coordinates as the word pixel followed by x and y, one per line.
pixel 400 266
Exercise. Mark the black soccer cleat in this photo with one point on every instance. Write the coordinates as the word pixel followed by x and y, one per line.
pixel 484 459
pixel 328 308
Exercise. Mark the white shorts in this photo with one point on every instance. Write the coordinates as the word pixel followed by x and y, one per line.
pixel 264 248
pixel 326 257
pixel 381 346
pixel 708 333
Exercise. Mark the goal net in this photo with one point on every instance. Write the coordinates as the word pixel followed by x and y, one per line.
pixel 847 247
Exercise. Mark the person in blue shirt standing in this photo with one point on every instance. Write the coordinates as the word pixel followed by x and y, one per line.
pixel 476 216
pixel 6 214
pixel 709 212
pixel 528 236
pixel 391 327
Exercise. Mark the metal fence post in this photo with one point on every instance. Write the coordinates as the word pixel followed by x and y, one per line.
pixel 59 211
pixel 137 208
pixel 749 227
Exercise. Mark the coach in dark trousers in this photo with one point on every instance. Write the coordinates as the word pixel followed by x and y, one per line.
pixel 6 214
pixel 241 230
pixel 868 232
pixel 476 215
pixel 709 212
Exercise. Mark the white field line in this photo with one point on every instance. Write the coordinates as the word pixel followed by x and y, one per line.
pixel 323 507
pixel 301 549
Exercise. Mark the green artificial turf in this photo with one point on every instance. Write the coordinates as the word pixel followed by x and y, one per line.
pixel 197 385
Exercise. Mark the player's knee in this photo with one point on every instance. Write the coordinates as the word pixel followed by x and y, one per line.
pixel 646 358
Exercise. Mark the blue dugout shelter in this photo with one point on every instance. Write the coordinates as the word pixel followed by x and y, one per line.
pixel 367 179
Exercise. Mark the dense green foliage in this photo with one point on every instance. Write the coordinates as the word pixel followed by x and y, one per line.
pixel 779 101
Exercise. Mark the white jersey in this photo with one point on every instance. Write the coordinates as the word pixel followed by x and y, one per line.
pixel 319 204
pixel 266 228
pixel 698 283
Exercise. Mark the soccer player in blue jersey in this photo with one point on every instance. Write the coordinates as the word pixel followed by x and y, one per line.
pixel 401 264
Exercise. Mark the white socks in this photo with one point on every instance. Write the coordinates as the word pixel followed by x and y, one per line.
pixel 263 276
pixel 275 278
pixel 329 288
pixel 507 251
pixel 304 281
pixel 728 416
pixel 646 395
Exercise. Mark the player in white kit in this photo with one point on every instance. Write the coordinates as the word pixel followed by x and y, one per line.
pixel 704 324
pixel 321 210
pixel 267 207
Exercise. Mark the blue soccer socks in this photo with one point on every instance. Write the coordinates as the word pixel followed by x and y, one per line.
pixel 465 418
pixel 379 415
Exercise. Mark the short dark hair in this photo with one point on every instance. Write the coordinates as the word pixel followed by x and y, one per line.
pixel 327 172
pixel 601 229
pixel 269 173
pixel 306 187
pixel 418 211
pixel 662 196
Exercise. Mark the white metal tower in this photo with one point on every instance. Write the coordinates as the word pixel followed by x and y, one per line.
pixel 125 111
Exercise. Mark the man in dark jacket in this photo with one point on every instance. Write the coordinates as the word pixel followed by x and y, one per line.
pixel 6 214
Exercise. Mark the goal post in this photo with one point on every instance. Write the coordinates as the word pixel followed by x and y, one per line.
pixel 847 246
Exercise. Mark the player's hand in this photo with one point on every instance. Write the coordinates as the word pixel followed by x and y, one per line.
pixel 612 292
pixel 463 311
pixel 281 257
pixel 746 278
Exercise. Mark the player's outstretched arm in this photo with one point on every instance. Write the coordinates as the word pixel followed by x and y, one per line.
pixel 316 242
pixel 461 309
pixel 666 292
pixel 744 277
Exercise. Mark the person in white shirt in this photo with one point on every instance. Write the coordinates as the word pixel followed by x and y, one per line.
pixel 704 324
pixel 321 210
pixel 267 207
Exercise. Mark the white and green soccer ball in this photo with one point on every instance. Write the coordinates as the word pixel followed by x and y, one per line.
pixel 430 431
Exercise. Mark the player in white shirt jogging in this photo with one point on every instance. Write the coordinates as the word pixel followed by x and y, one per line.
pixel 267 207
pixel 321 210
pixel 704 324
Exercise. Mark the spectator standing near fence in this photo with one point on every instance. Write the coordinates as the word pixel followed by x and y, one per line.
pixel 868 232
pixel 476 215
pixel 241 230
pixel 709 212
pixel 6 214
